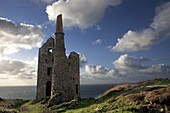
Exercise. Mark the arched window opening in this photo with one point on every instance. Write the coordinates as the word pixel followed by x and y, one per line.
pixel 50 50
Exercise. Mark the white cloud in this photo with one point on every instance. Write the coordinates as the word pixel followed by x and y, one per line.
pixel 126 69
pixel 16 72
pixel 142 40
pixel 160 21
pixel 134 41
pixel 133 67
pixel 128 62
pixel 97 42
pixel 15 37
pixel 80 13
pixel 92 69
pixel 93 72
pixel 83 60
pixel 16 69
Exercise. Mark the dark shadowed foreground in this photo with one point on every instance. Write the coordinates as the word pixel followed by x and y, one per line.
pixel 152 96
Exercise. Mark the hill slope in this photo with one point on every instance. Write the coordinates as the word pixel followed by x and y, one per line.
pixel 152 96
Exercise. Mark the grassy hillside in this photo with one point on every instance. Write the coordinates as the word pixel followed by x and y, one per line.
pixel 152 96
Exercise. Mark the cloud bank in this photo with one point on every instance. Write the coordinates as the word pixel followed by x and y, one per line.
pixel 17 72
pixel 126 69
pixel 134 68
pixel 159 30
pixel 15 37
pixel 79 13
pixel 11 68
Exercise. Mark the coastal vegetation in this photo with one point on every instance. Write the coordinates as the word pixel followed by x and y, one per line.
pixel 151 96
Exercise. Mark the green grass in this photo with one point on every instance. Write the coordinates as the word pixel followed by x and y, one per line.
pixel 84 106
pixel 32 107
pixel 126 100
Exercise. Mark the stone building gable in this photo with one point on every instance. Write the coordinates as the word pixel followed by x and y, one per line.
pixel 45 64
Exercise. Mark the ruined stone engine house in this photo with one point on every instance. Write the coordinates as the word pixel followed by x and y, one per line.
pixel 58 76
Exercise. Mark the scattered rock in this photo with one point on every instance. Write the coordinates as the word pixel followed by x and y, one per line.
pixel 1 99
pixel 8 111
pixel 161 96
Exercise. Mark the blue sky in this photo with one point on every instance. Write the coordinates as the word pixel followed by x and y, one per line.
pixel 118 40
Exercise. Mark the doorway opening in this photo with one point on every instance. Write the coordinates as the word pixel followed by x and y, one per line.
pixel 48 88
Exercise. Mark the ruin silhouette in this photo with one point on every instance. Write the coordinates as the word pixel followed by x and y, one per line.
pixel 58 76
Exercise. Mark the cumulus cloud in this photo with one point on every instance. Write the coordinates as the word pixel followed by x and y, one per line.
pixel 16 69
pixel 129 62
pixel 126 69
pixel 97 42
pixel 134 67
pixel 83 60
pixel 98 72
pixel 142 40
pixel 92 69
pixel 80 13
pixel 14 36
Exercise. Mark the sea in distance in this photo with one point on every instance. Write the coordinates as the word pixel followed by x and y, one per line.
pixel 29 92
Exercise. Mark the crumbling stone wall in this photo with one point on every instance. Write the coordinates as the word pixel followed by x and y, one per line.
pixel 45 61
pixel 74 74
pixel 64 72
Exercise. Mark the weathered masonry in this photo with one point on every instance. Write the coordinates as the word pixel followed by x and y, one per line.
pixel 58 76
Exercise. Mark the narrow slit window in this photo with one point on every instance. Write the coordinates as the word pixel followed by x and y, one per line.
pixel 76 88
pixel 49 71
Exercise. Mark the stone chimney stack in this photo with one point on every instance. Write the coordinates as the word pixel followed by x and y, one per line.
pixel 60 60
pixel 59 26
pixel 59 38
